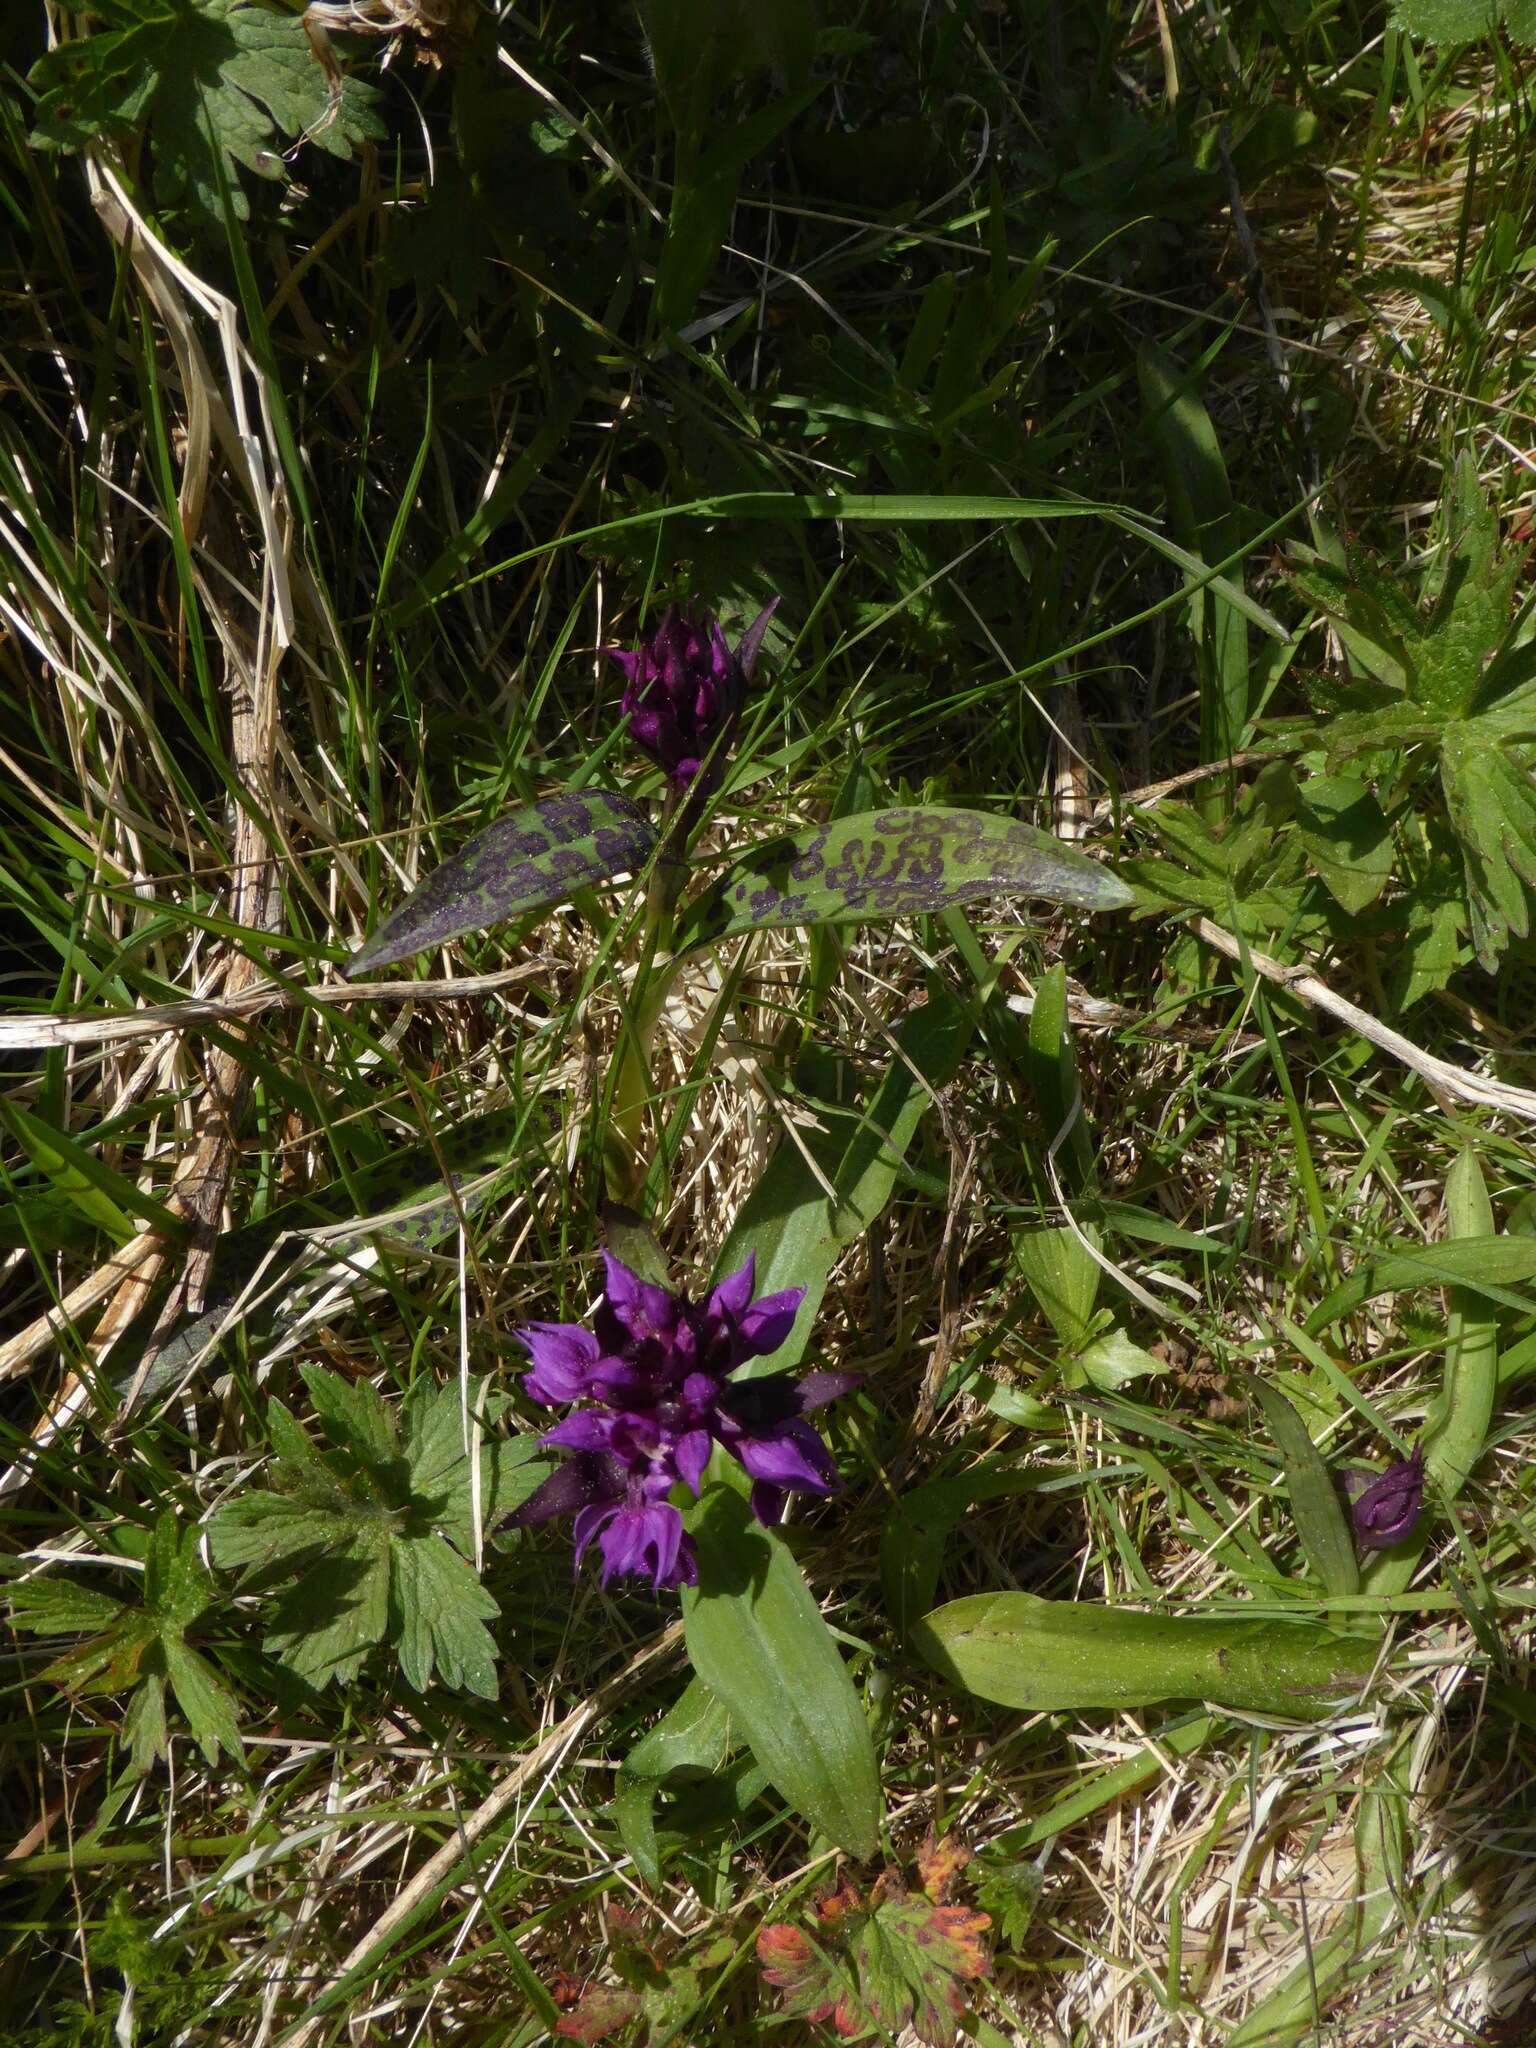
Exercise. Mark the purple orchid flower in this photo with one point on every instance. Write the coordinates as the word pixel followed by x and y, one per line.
pixel 650 1395
pixel 685 689
pixel 1386 1510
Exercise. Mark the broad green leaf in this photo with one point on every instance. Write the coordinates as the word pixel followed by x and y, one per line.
pixel 691 1741
pixel 756 1638
pixel 1347 837
pixel 1064 1278
pixel 1320 1518
pixel 1049 1655
pixel 1456 1427
pixel 1113 1361
pixel 1488 1265
pixel 796 1233
pixel 212 83
pixel 901 862
pixel 537 855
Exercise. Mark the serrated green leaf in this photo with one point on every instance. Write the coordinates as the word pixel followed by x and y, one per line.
pixel 203 1699
pixel 1431 951
pixel 756 1637
pixel 144 1729
pixel 440 1608
pixel 537 855
pixel 60 1607
pixel 265 1528
pixel 354 1417
pixel 1347 837
pixel 1448 21
pixel 324 1626
pixel 177 1585
pixel 213 83
pixel 901 862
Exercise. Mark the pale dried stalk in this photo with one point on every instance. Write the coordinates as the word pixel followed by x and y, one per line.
pixel 40 1030
pixel 1441 1076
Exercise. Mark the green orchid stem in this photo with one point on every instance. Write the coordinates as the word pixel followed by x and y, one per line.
pixel 625 1162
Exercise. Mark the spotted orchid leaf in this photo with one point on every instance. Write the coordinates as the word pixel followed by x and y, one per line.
pixel 537 855
pixel 906 861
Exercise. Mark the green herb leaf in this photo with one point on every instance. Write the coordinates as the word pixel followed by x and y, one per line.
pixel 213 83
pixel 1049 1655
pixel 1320 1518
pixel 376 1532
pixel 756 1638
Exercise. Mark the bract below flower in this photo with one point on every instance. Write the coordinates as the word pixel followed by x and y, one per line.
pixel 650 1393
pixel 685 687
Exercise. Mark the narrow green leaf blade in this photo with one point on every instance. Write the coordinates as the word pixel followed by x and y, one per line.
pixel 1049 1655
pixel 903 862
pixel 756 1638
pixel 537 855
pixel 796 1233
pixel 1315 1503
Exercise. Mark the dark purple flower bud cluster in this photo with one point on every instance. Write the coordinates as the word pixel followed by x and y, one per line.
pixel 650 1392
pixel 1386 1510
pixel 685 689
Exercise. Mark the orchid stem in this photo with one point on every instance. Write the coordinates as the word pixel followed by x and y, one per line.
pixel 626 1164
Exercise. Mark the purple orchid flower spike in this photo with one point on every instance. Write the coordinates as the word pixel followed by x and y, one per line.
pixel 649 1394
pixel 684 690
pixel 1386 1510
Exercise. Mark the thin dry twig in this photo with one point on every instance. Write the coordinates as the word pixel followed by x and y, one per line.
pixel 39 1030
pixel 1441 1076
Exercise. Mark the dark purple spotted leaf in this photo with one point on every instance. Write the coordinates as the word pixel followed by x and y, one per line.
pixel 535 856
pixel 900 862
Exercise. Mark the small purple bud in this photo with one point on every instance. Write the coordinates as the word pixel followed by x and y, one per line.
pixel 1386 1510
pixel 683 692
